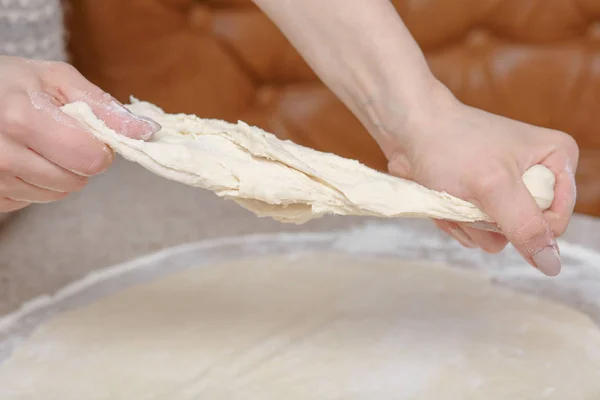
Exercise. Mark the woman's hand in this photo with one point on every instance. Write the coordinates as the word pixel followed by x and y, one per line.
pixel 44 154
pixel 367 56
pixel 480 157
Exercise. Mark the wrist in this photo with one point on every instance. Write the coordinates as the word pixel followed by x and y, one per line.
pixel 395 118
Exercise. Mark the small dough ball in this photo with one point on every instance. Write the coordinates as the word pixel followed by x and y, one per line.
pixel 540 181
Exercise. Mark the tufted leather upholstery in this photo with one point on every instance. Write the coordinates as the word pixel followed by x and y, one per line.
pixel 534 60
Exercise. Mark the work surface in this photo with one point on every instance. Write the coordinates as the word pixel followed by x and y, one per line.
pixel 128 212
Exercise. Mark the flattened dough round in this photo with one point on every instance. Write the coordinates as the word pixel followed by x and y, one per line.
pixel 312 327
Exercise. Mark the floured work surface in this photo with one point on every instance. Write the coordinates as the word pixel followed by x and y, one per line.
pixel 280 179
pixel 312 327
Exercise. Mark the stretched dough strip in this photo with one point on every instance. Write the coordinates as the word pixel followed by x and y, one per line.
pixel 280 179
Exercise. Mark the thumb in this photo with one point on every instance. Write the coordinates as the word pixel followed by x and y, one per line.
pixel 74 87
pixel 509 203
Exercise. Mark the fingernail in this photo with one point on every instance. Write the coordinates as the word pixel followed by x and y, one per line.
pixel 154 126
pixel 548 261
pixel 485 226
pixel 113 99
pixel 109 151
pixel 126 110
pixel 151 126
pixel 462 238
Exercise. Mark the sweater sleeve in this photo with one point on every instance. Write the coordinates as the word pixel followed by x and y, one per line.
pixel 32 29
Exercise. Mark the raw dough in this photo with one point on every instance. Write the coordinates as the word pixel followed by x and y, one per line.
pixel 312 327
pixel 280 179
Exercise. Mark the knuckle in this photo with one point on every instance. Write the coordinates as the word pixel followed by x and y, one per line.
pixel 14 115
pixel 567 144
pixel 570 146
pixel 490 179
pixel 60 68
pixel 559 229
pixel 559 224
pixel 568 140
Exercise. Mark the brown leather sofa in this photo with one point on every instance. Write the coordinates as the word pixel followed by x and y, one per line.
pixel 533 60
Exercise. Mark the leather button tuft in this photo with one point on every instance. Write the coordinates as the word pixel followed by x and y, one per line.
pixel 266 95
pixel 593 31
pixel 200 17
pixel 477 38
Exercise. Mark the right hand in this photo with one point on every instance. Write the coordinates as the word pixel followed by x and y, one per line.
pixel 45 154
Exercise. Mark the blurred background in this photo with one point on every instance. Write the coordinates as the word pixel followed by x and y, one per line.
pixel 537 61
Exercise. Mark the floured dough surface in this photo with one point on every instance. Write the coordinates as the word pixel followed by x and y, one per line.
pixel 280 179
pixel 312 327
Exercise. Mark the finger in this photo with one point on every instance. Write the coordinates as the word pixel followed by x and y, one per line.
pixel 72 86
pixel 507 201
pixel 565 194
pixel 45 174
pixel 8 205
pixel 15 189
pixel 452 229
pixel 57 137
pixel 490 242
pixel 24 163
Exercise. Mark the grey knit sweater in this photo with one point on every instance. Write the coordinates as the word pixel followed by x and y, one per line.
pixel 32 29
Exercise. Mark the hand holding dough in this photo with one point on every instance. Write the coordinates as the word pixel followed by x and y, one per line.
pixel 281 179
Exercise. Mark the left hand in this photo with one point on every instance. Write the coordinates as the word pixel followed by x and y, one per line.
pixel 481 157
